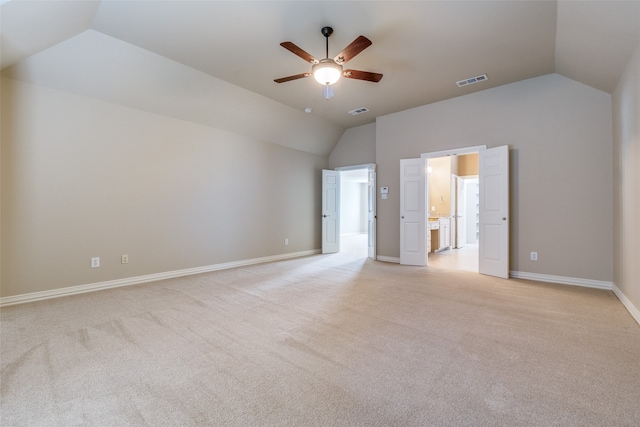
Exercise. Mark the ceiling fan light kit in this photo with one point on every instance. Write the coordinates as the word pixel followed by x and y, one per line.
pixel 328 71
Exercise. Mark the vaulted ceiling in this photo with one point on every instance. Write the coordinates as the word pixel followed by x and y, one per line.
pixel 421 47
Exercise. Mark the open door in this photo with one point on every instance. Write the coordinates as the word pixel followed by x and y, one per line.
pixel 413 237
pixel 371 212
pixel 330 211
pixel 494 212
pixel 458 213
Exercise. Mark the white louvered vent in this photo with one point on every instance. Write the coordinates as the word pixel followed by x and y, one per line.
pixel 472 80
pixel 358 111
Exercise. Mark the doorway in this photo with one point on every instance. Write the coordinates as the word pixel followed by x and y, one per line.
pixel 493 179
pixel 464 251
pixel 453 204
pixel 353 211
pixel 349 210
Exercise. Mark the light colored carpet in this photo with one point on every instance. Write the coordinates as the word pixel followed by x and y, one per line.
pixel 327 340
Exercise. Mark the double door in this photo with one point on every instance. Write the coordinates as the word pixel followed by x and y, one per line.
pixel 494 210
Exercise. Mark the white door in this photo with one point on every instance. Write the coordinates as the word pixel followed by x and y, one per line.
pixel 494 212
pixel 472 201
pixel 413 237
pixel 330 211
pixel 371 212
pixel 458 211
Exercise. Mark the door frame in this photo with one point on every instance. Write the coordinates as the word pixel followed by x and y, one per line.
pixel 372 215
pixel 445 153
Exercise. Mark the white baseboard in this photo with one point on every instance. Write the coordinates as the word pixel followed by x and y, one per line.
pixel 632 309
pixel 589 283
pixel 574 281
pixel 92 287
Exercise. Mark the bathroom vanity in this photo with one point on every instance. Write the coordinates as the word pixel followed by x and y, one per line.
pixel 439 235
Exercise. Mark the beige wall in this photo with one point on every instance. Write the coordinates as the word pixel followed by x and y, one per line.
pixel 440 187
pixel 357 146
pixel 560 207
pixel 138 78
pixel 83 178
pixel 626 165
pixel 468 164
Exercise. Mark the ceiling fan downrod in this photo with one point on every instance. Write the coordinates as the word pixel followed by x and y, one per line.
pixel 326 32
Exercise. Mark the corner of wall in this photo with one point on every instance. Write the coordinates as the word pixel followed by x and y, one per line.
pixel 626 179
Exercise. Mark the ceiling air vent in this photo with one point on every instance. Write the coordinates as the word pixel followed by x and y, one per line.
pixel 472 80
pixel 358 111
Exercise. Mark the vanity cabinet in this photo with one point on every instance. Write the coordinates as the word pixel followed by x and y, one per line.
pixel 433 239
pixel 445 234
pixel 439 236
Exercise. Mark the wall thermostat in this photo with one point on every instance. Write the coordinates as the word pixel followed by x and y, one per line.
pixel 384 190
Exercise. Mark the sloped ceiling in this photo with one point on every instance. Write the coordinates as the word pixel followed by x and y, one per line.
pixel 181 58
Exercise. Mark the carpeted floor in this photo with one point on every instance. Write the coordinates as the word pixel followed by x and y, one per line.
pixel 327 340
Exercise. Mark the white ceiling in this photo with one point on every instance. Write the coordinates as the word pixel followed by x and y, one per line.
pixel 421 47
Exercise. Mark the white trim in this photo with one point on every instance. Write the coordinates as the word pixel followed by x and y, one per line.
pixel 388 259
pixel 91 287
pixel 632 309
pixel 455 151
pixel 356 167
pixel 574 281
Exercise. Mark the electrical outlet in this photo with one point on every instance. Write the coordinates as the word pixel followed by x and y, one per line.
pixel 95 262
pixel 286 242
pixel 124 259
pixel 534 256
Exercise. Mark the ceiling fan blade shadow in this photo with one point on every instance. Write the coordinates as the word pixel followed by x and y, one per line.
pixel 356 46
pixel 291 47
pixel 362 75
pixel 289 78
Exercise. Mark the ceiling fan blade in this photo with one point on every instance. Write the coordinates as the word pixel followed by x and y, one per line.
pixel 356 46
pixel 300 52
pixel 288 79
pixel 362 75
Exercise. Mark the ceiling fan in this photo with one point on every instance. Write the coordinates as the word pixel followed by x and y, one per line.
pixel 327 71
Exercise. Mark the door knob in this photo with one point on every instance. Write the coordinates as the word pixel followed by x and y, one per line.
pixel 402 217
pixel 504 219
